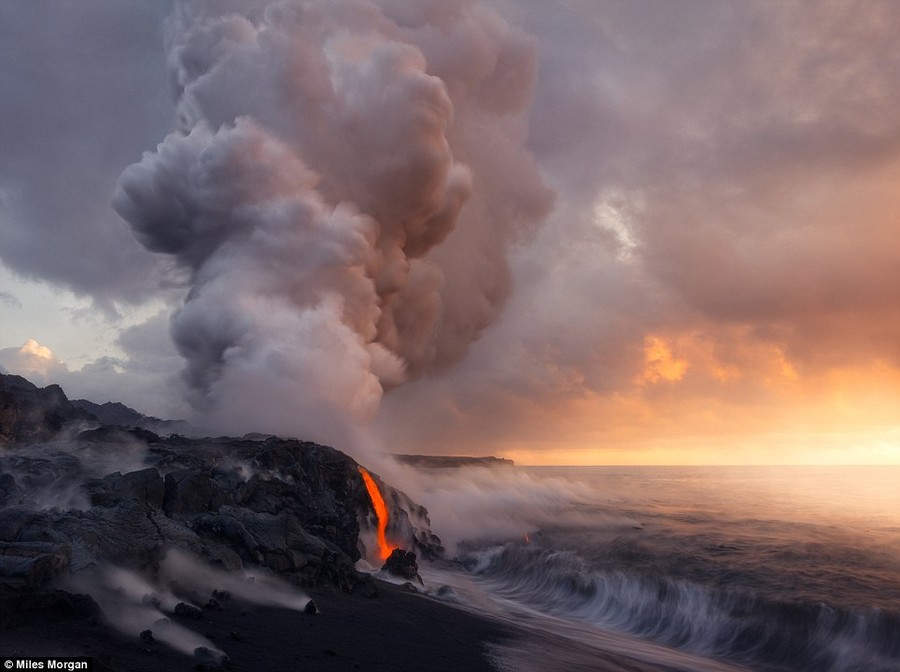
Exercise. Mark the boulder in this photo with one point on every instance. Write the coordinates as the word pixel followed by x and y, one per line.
pixel 402 564
pixel 186 610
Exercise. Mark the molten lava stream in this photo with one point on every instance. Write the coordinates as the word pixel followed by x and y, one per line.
pixel 381 513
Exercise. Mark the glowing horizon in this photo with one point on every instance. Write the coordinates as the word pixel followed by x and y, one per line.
pixel 708 457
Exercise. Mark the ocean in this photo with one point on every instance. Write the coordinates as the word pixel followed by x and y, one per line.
pixel 768 569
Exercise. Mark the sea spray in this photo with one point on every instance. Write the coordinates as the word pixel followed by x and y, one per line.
pixel 779 592
pixel 482 503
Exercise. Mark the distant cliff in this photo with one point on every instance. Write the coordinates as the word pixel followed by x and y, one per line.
pixel 453 461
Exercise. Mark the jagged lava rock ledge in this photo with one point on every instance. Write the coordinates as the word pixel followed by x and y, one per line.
pixel 68 502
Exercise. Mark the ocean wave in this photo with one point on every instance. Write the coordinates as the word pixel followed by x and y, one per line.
pixel 760 631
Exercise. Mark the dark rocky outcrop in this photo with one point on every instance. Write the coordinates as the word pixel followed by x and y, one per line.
pixel 30 413
pixel 37 607
pixel 291 507
pixel 298 515
pixel 402 564
pixel 31 563
pixel 144 485
pixel 115 413
pixel 410 521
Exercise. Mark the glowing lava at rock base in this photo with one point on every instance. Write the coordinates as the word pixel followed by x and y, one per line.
pixel 381 512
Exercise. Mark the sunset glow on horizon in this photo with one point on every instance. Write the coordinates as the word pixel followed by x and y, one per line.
pixel 782 450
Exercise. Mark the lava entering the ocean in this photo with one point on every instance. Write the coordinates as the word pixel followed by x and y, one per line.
pixel 381 512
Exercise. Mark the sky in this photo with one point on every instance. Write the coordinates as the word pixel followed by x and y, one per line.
pixel 582 232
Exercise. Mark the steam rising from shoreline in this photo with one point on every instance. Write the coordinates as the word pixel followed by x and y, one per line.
pixel 477 504
pixel 251 587
pixel 339 196
pixel 133 604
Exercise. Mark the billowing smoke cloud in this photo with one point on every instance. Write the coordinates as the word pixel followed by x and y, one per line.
pixel 341 193
pixel 725 178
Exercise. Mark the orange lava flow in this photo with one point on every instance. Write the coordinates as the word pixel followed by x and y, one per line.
pixel 381 513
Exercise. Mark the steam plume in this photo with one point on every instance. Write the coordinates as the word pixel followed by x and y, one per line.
pixel 481 504
pixel 340 195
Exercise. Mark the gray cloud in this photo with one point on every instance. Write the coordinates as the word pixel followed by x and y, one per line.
pixel 10 300
pixel 145 376
pixel 82 91
pixel 725 177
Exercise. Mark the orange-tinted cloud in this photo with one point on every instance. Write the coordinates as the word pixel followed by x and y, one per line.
pixel 738 299
pixel 659 362
pixel 33 360
pixel 718 280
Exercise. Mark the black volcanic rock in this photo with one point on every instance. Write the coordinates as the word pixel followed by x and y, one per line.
pixel 402 564
pixel 145 485
pixel 301 522
pixel 31 563
pixel 110 413
pixel 9 489
pixel 29 413
pixel 191 490
pixel 408 520
pixel 117 434
pixel 116 413
pixel 20 606
pixel 291 507
pixel 188 611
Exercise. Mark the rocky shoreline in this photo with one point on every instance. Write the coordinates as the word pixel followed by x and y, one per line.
pixel 146 552
pixel 96 519
pixel 72 497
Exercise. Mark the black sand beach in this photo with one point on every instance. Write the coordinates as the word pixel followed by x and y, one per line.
pixel 398 629
pixel 395 630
